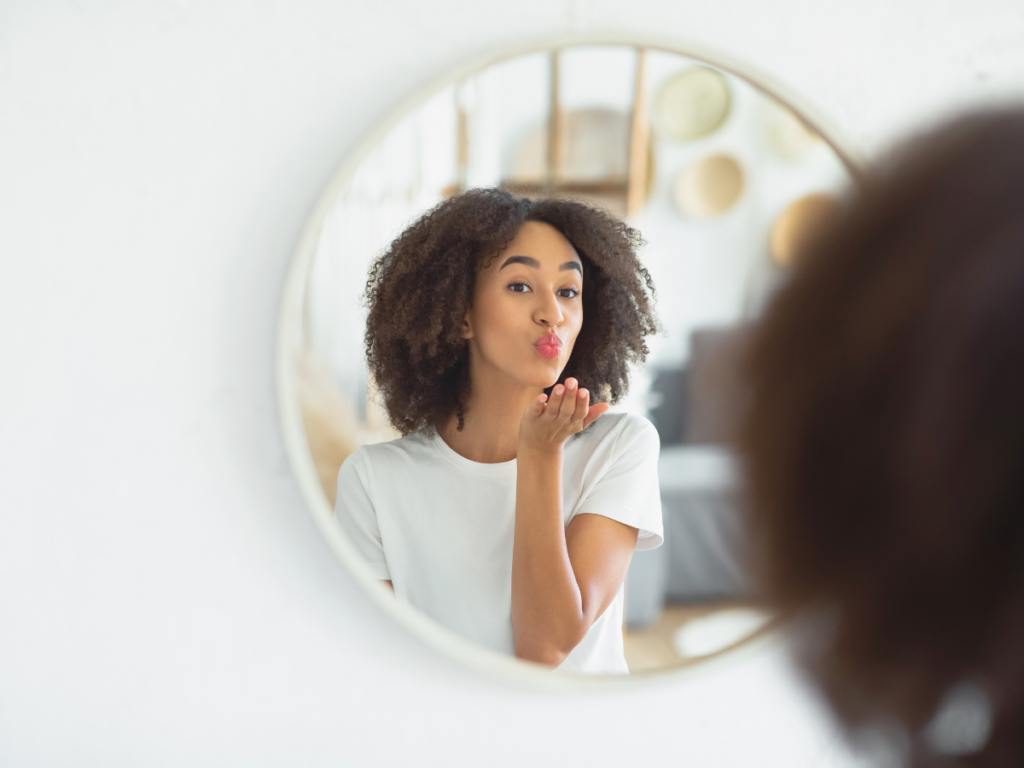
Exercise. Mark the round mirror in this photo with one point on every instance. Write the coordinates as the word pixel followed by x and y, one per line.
pixel 721 177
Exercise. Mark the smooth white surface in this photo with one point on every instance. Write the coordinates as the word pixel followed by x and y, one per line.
pixel 164 597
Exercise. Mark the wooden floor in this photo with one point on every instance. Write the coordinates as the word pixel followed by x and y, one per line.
pixel 652 648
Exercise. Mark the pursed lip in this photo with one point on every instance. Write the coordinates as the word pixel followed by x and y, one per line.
pixel 549 346
pixel 549 340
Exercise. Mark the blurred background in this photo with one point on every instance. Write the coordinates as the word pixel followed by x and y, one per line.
pixel 164 596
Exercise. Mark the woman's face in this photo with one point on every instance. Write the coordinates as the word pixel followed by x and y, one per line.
pixel 527 307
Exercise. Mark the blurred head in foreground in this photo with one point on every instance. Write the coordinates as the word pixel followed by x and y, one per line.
pixel 884 448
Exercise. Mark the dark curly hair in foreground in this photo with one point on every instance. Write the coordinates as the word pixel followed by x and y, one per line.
pixel 884 444
pixel 419 289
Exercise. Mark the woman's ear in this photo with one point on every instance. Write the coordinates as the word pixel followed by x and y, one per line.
pixel 467 331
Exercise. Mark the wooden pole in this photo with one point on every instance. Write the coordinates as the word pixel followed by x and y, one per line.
pixel 462 139
pixel 556 129
pixel 636 186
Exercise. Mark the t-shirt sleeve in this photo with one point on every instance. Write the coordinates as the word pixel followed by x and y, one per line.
pixel 628 491
pixel 355 513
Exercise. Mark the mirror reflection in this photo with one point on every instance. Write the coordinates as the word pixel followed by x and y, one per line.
pixel 641 567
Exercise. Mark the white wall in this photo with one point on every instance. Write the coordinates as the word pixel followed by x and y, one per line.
pixel 164 598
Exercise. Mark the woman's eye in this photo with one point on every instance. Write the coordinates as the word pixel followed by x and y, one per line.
pixel 575 293
pixel 514 286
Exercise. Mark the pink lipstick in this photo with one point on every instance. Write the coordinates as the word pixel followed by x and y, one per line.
pixel 549 346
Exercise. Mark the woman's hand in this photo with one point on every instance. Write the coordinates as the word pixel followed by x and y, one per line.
pixel 548 422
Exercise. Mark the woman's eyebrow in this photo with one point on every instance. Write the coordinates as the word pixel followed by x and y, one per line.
pixel 532 262
pixel 527 260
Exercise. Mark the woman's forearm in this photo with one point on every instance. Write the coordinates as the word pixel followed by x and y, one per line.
pixel 548 615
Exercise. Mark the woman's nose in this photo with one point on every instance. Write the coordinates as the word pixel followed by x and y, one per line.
pixel 551 313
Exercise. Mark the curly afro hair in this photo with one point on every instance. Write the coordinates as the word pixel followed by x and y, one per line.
pixel 419 289
pixel 884 442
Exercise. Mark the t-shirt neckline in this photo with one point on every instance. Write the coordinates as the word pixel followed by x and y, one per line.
pixel 498 468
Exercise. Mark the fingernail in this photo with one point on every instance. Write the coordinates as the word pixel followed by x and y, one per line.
pixel 570 384
pixel 558 389
pixel 583 392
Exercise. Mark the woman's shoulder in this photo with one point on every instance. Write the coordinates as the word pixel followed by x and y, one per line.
pixel 387 454
pixel 620 430
pixel 625 424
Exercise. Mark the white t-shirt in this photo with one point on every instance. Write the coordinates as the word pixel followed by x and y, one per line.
pixel 440 526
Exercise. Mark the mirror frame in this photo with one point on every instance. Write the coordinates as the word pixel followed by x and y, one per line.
pixel 446 642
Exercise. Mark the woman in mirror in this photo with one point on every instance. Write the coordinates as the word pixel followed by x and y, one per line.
pixel 885 449
pixel 499 332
